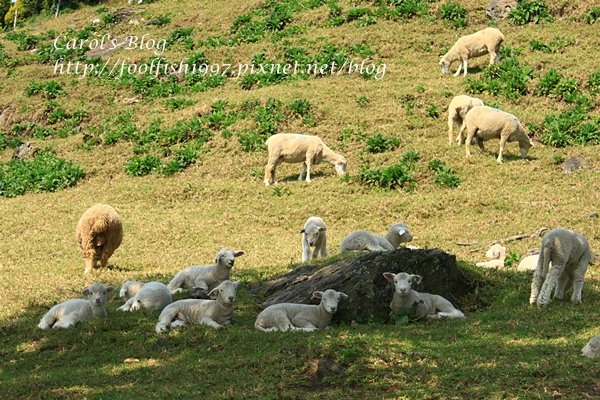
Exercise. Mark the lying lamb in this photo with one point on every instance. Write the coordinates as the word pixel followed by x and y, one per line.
pixel 214 313
pixel 67 314
pixel 570 254
pixel 431 305
pixel 592 348
pixel 300 317
pixel 203 278
pixel 530 260
pixel 487 123
pixel 99 233
pixel 457 110
pixel 496 254
pixel 314 234
pixel 296 148
pixel 478 44
pixel 364 240
pixel 150 295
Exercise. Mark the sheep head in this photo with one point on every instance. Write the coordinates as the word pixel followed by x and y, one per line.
pixel 402 281
pixel 330 299
pixel 227 257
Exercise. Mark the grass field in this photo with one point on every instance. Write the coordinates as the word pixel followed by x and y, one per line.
pixel 504 349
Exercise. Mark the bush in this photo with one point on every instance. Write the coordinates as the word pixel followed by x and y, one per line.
pixel 454 14
pixel 400 175
pixel 527 11
pixel 592 15
pixel 183 157
pixel 555 46
pixel 554 84
pixel 512 259
pixel 9 141
pixel 432 111
pixel 140 166
pixel 182 36
pixel 49 90
pixel 508 78
pixel 593 82
pixel 407 9
pixel 444 175
pixel 379 143
pixel 571 127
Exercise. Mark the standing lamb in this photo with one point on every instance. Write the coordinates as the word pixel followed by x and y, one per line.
pixel 592 348
pixel 570 254
pixel 478 44
pixel 487 123
pixel 457 110
pixel 314 234
pixel 300 317
pixel 151 295
pixel 214 313
pixel 99 233
pixel 296 148
pixel 365 240
pixel 67 314
pixel 205 277
pixel 431 305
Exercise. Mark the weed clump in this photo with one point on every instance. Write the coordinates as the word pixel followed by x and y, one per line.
pixel 454 14
pixel 444 175
pixel 530 11
pixel 379 143
pixel 399 175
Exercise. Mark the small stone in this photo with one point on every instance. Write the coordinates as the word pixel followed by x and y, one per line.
pixel 500 9
pixel 573 164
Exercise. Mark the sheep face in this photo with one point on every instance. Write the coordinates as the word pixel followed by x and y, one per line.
pixel 225 292
pixel 444 65
pixel 340 166
pixel 495 252
pixel 592 348
pixel 402 281
pixel 129 289
pixel 524 146
pixel 313 234
pixel 403 232
pixel 330 299
pixel 97 293
pixel 227 257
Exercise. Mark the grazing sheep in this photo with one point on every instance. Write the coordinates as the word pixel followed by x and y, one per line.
pixel 487 123
pixel 296 148
pixel 478 44
pixel 431 305
pixel 151 295
pixel 67 314
pixel 99 233
pixel 457 110
pixel 364 240
pixel 214 313
pixel 314 233
pixel 300 317
pixel 592 348
pixel 496 254
pixel 207 276
pixel 570 254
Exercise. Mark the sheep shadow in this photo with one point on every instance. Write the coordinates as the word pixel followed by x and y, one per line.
pixel 294 177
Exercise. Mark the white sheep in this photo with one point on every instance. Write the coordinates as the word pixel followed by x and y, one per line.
pixel 496 254
pixel 431 305
pixel 214 313
pixel 67 314
pixel 300 317
pixel 205 277
pixel 487 123
pixel 570 254
pixel 150 295
pixel 592 348
pixel 365 240
pixel 477 44
pixel 457 110
pixel 296 148
pixel 314 234
pixel 130 289
pixel 529 260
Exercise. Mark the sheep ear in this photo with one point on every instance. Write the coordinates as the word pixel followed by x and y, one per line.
pixel 236 283
pixel 389 276
pixel 302 231
pixel 317 295
pixel 401 232
pixel 109 289
pixel 213 293
pixel 417 279
pixel 86 292
pixel 343 295
pixel 238 253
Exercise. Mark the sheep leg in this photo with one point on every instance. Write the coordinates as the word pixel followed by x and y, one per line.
pixel 64 323
pixel 446 309
pixel 47 321
pixel 324 247
pixel 549 284
pixel 465 67
pixel 451 118
pixel 308 327
pixel 308 164
pixel 305 249
pixel 302 172
pixel 208 321
pixel 503 139
pixel 539 274
pixel 561 285
pixel 89 264
pixel 460 137
pixel 375 247
pixel 103 260
pixel 480 144
pixel 470 133
pixel 166 317
pixel 493 57
pixel 457 73
pixel 270 171
pixel 127 305
pixel 578 275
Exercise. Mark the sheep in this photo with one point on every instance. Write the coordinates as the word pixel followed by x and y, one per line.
pixel 529 261
pixel 496 254
pixel 300 317
pixel 458 108
pixel 478 44
pixel 430 305
pixel 570 254
pixel 150 295
pixel 296 148
pixel 130 289
pixel 486 123
pixel 592 348
pixel 99 233
pixel 68 313
pixel 314 233
pixel 205 277
pixel 214 313
pixel 364 240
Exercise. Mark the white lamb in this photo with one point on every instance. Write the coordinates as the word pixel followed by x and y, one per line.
pixel 430 305
pixel 478 44
pixel 487 123
pixel 150 295
pixel 530 260
pixel 67 314
pixel 365 240
pixel 592 348
pixel 130 289
pixel 314 234
pixel 207 276
pixel 457 110
pixel 300 317
pixel 570 254
pixel 214 313
pixel 296 148
pixel 496 254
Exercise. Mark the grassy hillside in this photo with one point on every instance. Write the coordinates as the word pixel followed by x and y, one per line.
pixel 173 219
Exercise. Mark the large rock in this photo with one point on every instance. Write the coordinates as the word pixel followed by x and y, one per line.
pixel 499 9
pixel 361 278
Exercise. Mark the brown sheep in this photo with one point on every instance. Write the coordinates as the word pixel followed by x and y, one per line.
pixel 99 233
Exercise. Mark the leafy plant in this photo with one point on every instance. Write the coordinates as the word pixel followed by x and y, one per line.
pixel 140 166
pixel 407 9
pixel 511 259
pixel 379 143
pixel 570 127
pixel 593 82
pixel 362 101
pixel 454 14
pixel 177 103
pixel 399 175
pixel 527 11
pixel 9 141
pixel 49 89
pixel 444 175
pixel 432 111
pixel 280 191
pixel 592 15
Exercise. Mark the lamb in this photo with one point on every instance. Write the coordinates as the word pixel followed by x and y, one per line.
pixel 431 305
pixel 99 233
pixel 486 123
pixel 364 240
pixel 130 289
pixel 214 313
pixel 458 108
pixel 67 314
pixel 478 44
pixel 300 317
pixel 314 233
pixel 296 148
pixel 150 295
pixel 592 348
pixel 496 254
pixel 530 260
pixel 570 254
pixel 205 277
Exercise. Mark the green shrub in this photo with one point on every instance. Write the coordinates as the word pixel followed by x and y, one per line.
pixel 356 13
pixel 444 175
pixel 454 14
pixel 9 141
pixel 556 45
pixel 362 101
pixel 593 82
pixel 160 20
pixel 554 84
pixel 527 11
pixel 592 15
pixel 177 103
pixel 508 78
pixel 407 9
pixel 512 259
pixel 432 111
pixel 548 82
pixel 367 20
pixel 400 175
pixel 49 89
pixel 140 166
pixel 571 127
pixel 182 158
pixel 251 140
pixel 379 143
pixel 279 17
pixel 181 36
